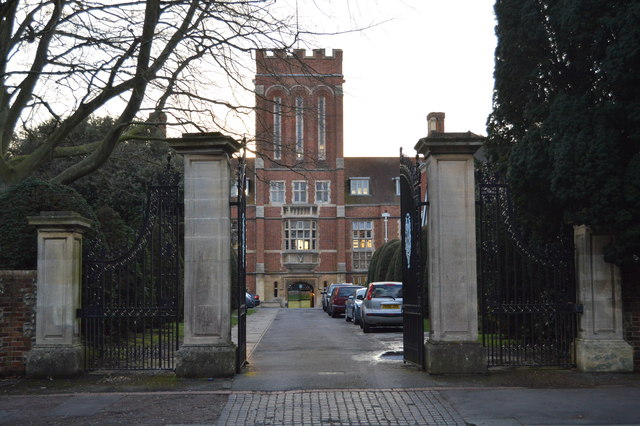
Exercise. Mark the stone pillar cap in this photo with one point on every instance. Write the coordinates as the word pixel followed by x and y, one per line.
pixel 214 143
pixel 450 143
pixel 61 220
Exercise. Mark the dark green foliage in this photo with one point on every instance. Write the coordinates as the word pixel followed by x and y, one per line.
pixel 117 235
pixel 17 238
pixel 565 126
pixel 384 260
pixel 92 129
pixel 373 264
pixel 121 182
pixel 394 273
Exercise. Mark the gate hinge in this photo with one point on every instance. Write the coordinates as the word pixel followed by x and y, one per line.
pixel 578 308
pixel 424 203
pixel 79 313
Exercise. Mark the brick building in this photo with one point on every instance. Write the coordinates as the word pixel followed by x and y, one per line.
pixel 314 217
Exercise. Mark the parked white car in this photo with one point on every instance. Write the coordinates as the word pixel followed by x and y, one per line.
pixel 382 305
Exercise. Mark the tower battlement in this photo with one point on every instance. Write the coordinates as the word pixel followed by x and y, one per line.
pixel 299 61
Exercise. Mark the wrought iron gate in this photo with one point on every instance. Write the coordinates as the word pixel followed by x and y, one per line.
pixel 131 310
pixel 241 285
pixel 411 225
pixel 526 288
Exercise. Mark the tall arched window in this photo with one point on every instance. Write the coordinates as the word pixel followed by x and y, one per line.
pixel 322 129
pixel 277 128
pixel 299 127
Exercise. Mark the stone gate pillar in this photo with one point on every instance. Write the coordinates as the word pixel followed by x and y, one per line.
pixel 451 245
pixel 208 350
pixel 58 351
pixel 600 346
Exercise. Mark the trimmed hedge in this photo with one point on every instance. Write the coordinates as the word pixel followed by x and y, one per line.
pixel 394 273
pixel 18 242
pixel 386 264
pixel 387 251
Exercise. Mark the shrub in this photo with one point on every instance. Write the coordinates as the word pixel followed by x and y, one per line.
pixel 394 273
pixel 18 246
pixel 384 260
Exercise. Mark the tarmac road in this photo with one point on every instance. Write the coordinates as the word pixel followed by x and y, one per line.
pixel 307 349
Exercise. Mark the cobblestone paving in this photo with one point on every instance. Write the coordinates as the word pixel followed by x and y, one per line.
pixel 374 407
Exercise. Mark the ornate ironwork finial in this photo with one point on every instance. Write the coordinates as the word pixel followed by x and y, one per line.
pixel 169 176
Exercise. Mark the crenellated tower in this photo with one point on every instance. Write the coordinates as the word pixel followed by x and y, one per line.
pixel 299 107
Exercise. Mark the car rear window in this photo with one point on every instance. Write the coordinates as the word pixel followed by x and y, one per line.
pixel 387 290
pixel 347 291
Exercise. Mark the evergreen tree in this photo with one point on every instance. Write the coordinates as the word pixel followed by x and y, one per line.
pixel 565 126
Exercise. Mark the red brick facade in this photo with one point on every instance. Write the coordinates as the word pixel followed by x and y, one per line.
pixel 17 319
pixel 631 310
pixel 310 222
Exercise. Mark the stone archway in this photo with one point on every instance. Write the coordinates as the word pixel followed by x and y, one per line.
pixel 300 295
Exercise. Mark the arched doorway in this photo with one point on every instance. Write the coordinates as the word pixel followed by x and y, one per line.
pixel 300 295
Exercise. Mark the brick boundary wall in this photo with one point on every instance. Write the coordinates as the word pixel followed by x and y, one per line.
pixel 17 320
pixel 631 310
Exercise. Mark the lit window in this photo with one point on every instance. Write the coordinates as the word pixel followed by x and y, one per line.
pixel 277 128
pixel 362 244
pixel 299 127
pixel 277 192
pixel 322 129
pixel 322 191
pixel 359 279
pixel 362 232
pixel 359 186
pixel 299 191
pixel 300 235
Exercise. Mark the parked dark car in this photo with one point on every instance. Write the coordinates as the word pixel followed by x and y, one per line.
pixel 339 296
pixel 327 294
pixel 249 301
pixel 352 306
pixel 255 298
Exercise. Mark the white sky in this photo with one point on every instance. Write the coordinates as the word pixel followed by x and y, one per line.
pixel 430 55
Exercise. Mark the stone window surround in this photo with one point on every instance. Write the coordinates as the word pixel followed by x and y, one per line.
pixel 327 191
pixel 277 128
pixel 359 186
pixel 322 129
pixel 299 192
pixel 299 127
pixel 274 195
pixel 300 235
pixel 361 244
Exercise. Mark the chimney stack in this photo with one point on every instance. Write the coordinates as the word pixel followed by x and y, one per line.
pixel 436 122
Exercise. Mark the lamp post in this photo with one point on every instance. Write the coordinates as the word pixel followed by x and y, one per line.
pixel 386 215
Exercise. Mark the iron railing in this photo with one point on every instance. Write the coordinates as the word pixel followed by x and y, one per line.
pixel 526 289
pixel 131 304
